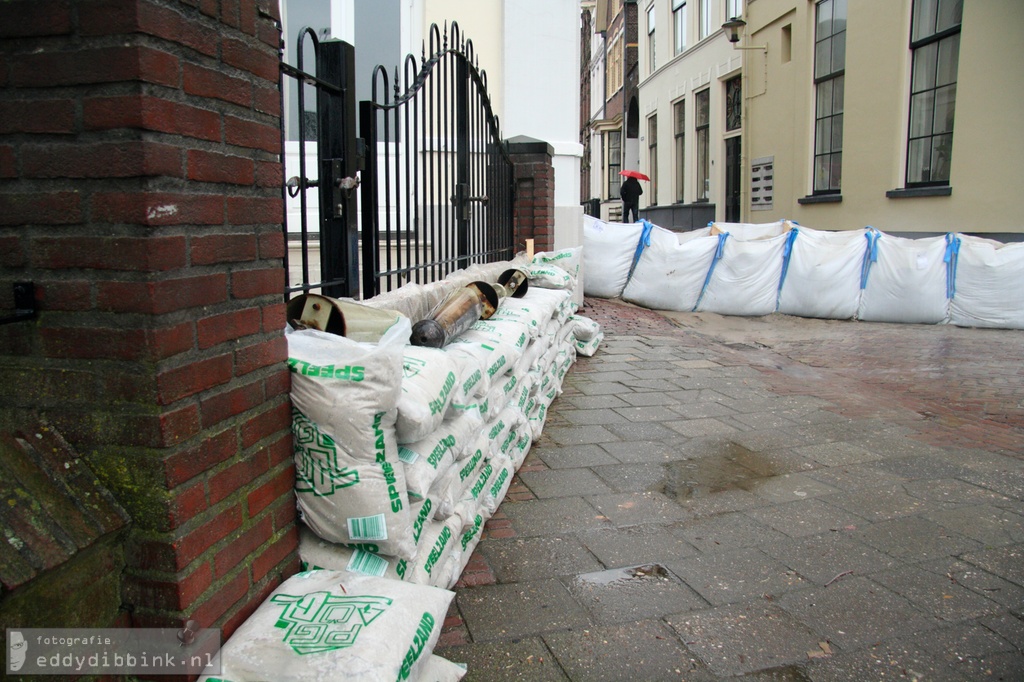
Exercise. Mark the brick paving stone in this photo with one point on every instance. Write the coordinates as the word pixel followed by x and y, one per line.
pixel 883 503
pixel 643 451
pixel 838 453
pixel 535 558
pixel 579 435
pixel 595 402
pixel 570 456
pixel 507 661
pixel 517 610
pixel 856 613
pixel 586 417
pixel 830 556
pixel 899 659
pixel 728 531
pixel 978 580
pixel 988 525
pixel 630 509
pixel 554 516
pixel 743 638
pixel 804 517
pixel 1005 562
pixel 936 594
pixel 1009 627
pixel 914 539
pixel 639 431
pixel 855 477
pixel 692 428
pixel 633 545
pixel 702 409
pixel 646 650
pixel 735 576
pixel 564 483
pixel 647 413
pixel 625 478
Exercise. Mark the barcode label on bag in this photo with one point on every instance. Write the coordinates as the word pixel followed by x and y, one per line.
pixel 407 455
pixel 367 563
pixel 368 528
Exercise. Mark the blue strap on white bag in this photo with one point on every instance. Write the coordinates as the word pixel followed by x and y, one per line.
pixel 870 255
pixel 786 253
pixel 951 258
pixel 719 252
pixel 642 243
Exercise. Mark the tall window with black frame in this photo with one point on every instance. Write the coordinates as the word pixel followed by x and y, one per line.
pixel 829 78
pixel 935 44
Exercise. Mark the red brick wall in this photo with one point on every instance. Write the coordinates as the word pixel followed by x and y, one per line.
pixel 140 189
pixel 535 193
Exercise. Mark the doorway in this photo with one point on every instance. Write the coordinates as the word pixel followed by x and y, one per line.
pixel 732 179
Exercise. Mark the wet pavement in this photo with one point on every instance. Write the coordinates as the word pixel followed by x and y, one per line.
pixel 773 498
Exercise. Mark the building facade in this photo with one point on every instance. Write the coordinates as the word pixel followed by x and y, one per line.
pixel 900 114
pixel 670 109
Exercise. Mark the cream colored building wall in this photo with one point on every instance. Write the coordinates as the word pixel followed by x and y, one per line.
pixel 704 64
pixel 481 22
pixel 987 142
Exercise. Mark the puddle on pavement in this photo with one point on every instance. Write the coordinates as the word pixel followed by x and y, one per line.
pixel 732 467
pixel 617 576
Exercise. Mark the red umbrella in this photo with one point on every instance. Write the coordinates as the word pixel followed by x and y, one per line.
pixel 634 174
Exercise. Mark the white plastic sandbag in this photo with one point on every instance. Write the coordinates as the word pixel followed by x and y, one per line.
pixel 670 275
pixel 349 485
pixel 988 285
pixel 745 280
pixel 823 275
pixel 608 250
pixel 906 281
pixel 429 379
pixel 321 624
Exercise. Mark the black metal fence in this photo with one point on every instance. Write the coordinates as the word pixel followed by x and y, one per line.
pixel 438 185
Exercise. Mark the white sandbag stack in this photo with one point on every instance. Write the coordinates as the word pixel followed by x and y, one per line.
pixel 321 624
pixel 905 280
pixel 823 274
pixel 463 419
pixel 608 252
pixel 989 279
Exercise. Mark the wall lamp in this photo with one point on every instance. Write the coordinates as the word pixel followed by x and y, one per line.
pixel 734 30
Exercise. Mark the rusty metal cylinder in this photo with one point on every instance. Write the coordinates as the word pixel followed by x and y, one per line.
pixel 457 313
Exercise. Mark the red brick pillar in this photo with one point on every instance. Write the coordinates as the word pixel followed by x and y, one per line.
pixel 140 190
pixel 535 192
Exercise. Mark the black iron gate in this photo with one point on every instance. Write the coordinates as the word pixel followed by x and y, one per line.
pixel 436 189
pixel 334 131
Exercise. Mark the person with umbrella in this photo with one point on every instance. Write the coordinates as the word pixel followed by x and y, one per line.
pixel 630 192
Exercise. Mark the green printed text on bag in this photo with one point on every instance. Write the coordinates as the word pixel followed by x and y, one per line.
pixel 419 643
pixel 346 372
pixel 321 621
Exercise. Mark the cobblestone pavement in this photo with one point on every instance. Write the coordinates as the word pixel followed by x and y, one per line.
pixel 774 499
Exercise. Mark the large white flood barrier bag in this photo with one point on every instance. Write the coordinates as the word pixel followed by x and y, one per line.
pixel 822 276
pixel 608 250
pixel 670 275
pixel 350 486
pixel 904 280
pixel 328 625
pixel 745 280
pixel 989 287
